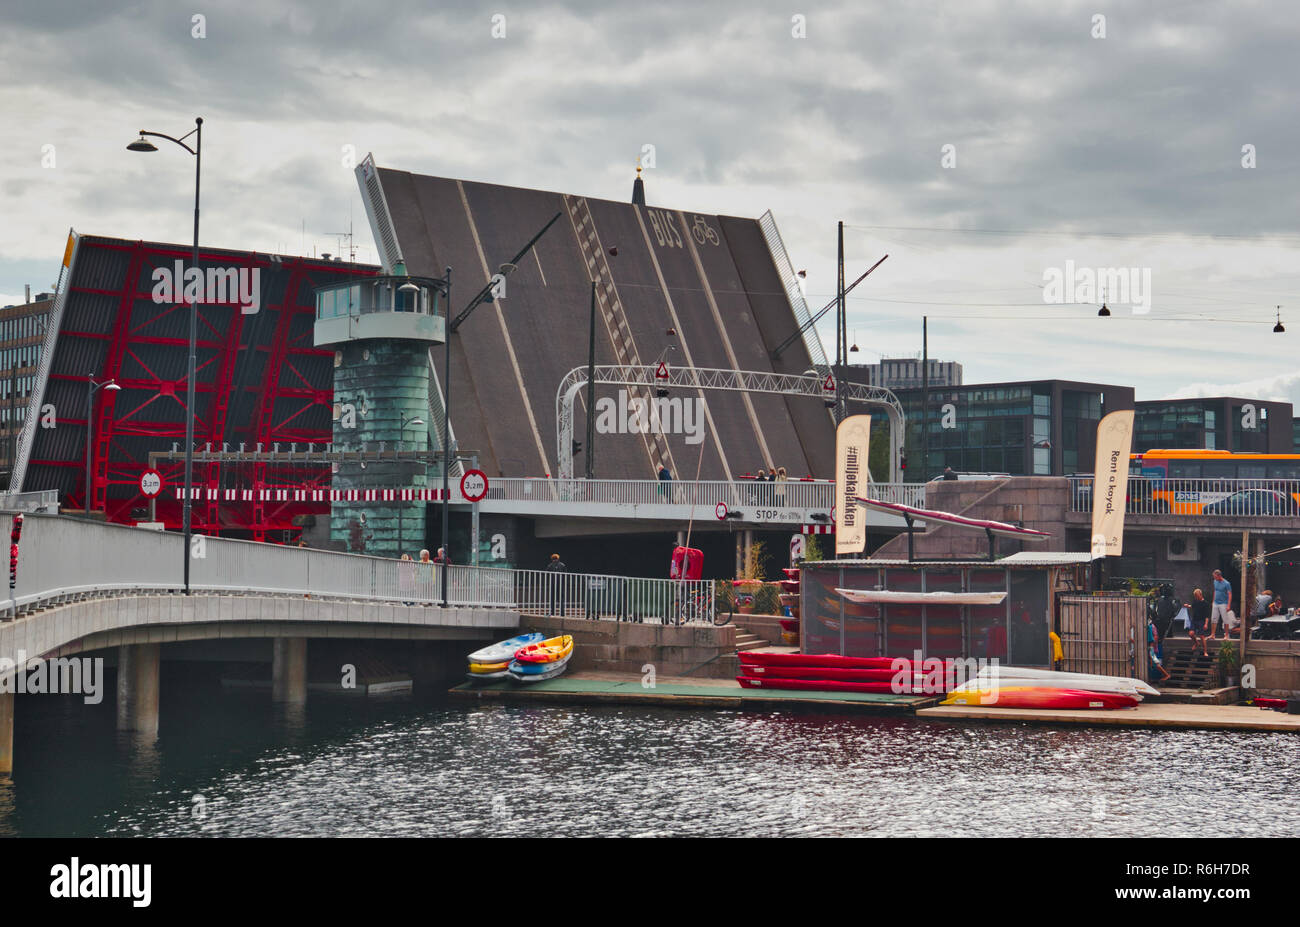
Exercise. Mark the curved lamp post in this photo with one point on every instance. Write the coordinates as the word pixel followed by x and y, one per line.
pixel 143 144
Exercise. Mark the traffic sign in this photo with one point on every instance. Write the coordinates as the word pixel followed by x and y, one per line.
pixel 151 483
pixel 829 383
pixel 721 510
pixel 474 485
pixel 661 372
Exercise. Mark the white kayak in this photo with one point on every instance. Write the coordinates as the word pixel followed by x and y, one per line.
pixel 991 676
pixel 506 650
pixel 896 597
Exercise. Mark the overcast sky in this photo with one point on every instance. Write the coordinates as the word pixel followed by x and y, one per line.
pixel 1122 151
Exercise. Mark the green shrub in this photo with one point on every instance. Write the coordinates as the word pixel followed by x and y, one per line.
pixel 767 599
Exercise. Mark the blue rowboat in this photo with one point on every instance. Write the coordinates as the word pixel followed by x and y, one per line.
pixel 506 650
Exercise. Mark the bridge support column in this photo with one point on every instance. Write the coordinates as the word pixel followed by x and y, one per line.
pixel 289 670
pixel 681 538
pixel 137 687
pixel 6 733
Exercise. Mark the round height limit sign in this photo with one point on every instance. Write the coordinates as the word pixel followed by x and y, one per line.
pixel 474 485
pixel 151 483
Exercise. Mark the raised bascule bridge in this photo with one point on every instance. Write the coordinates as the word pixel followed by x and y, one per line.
pixel 320 414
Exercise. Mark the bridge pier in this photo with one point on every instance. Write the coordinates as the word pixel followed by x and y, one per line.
pixel 6 733
pixel 137 687
pixel 289 670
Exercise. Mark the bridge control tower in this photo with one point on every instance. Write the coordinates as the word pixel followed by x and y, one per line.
pixel 381 330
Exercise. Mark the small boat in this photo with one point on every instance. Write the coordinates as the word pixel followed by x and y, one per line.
pixel 536 669
pixel 790 572
pixel 1022 675
pixel 547 651
pixel 789 624
pixel 551 670
pixel 505 651
pixel 813 685
pixel 762 658
pixel 839 673
pixel 483 677
pixel 501 667
pixel 1052 697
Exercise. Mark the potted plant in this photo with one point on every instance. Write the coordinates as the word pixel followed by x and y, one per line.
pixel 1228 663
pixel 767 599
pixel 751 579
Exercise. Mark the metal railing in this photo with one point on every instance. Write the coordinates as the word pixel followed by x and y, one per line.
pixel 61 559
pixel 1209 497
pixel 43 500
pixel 705 494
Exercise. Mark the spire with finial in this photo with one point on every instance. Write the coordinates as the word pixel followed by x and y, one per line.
pixel 638 186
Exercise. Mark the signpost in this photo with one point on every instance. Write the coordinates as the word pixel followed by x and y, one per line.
pixel 474 485
pixel 720 510
pixel 151 483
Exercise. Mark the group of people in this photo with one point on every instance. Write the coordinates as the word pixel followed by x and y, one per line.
pixel 775 495
pixel 1207 619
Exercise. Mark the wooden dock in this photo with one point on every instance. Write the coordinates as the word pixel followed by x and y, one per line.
pixel 1164 715
pixel 596 688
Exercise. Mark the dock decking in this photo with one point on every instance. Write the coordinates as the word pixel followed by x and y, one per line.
pixel 1164 715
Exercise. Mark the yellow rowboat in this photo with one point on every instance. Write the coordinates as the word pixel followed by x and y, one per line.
pixel 489 667
pixel 548 651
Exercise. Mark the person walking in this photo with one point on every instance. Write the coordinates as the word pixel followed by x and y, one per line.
pixel 665 477
pixel 424 572
pixel 442 556
pixel 781 480
pixel 556 584
pixel 1222 605
pixel 406 579
pixel 1198 620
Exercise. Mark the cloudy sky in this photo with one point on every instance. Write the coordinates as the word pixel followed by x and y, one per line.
pixel 1122 150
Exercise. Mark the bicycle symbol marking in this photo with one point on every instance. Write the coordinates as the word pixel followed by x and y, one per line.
pixel 702 233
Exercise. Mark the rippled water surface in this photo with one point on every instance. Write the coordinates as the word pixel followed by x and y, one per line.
pixel 230 765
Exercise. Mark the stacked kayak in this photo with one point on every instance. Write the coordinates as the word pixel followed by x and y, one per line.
pixel 790 602
pixel 494 662
pixel 1018 687
pixel 543 659
pixel 827 673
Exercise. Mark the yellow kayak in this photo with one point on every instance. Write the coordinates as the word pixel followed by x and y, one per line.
pixel 548 651
pixel 488 667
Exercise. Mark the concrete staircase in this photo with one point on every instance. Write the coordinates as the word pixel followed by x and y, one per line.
pixel 748 640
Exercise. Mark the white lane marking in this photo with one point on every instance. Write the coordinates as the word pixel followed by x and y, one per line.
pixel 681 334
pixel 505 332
pixel 722 331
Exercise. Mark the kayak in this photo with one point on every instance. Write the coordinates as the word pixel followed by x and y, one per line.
pixel 480 677
pixel 536 669
pixel 813 685
pixel 1039 677
pixel 895 597
pixel 759 658
pixel 501 667
pixel 552 670
pixel 840 673
pixel 789 624
pixel 547 651
pixel 505 651
pixel 1030 696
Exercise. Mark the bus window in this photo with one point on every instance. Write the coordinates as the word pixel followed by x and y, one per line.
pixel 1284 470
pixel 1251 471
pixel 1219 470
pixel 1185 469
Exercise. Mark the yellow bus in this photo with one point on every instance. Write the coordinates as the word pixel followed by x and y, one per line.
pixel 1205 482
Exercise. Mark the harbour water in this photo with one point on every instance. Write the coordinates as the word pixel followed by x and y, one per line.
pixel 234 765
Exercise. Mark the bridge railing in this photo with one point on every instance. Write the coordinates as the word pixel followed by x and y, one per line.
pixel 1208 497
pixel 61 559
pixel 705 494
pixel 43 500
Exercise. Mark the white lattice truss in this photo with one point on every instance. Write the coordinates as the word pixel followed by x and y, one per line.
pixel 751 381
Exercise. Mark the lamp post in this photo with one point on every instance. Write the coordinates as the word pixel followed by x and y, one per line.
pixel 143 144
pixel 91 388
pixel 405 425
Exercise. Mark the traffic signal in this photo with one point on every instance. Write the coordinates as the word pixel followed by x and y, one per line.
pixel 577 447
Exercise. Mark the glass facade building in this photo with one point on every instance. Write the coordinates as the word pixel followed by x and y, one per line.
pixel 1035 428
pixel 1219 423
pixel 22 333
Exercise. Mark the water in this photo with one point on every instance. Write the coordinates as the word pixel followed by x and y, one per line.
pixel 233 765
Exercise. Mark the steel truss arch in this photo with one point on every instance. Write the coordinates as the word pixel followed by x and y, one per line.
pixel 705 378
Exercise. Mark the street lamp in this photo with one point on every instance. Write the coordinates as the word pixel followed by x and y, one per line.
pixel 405 425
pixel 143 144
pixel 91 388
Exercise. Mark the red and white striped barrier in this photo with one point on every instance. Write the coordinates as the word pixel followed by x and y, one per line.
pixel 209 493
pixel 818 529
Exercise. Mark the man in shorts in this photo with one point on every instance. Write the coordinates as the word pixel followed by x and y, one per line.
pixel 1222 605
pixel 1198 620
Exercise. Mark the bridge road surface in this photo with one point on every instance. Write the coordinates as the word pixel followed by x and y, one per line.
pixel 508 359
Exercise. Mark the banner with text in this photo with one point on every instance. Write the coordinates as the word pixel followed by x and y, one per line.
pixel 852 442
pixel 1110 483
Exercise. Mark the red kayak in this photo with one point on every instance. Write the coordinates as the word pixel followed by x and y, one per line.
pixel 838 673
pixel 790 573
pixel 789 624
pixel 814 685
pixel 814 659
pixel 1277 704
pixel 1043 697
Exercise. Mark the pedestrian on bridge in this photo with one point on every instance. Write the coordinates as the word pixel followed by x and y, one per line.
pixel 425 568
pixel 555 584
pixel 781 480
